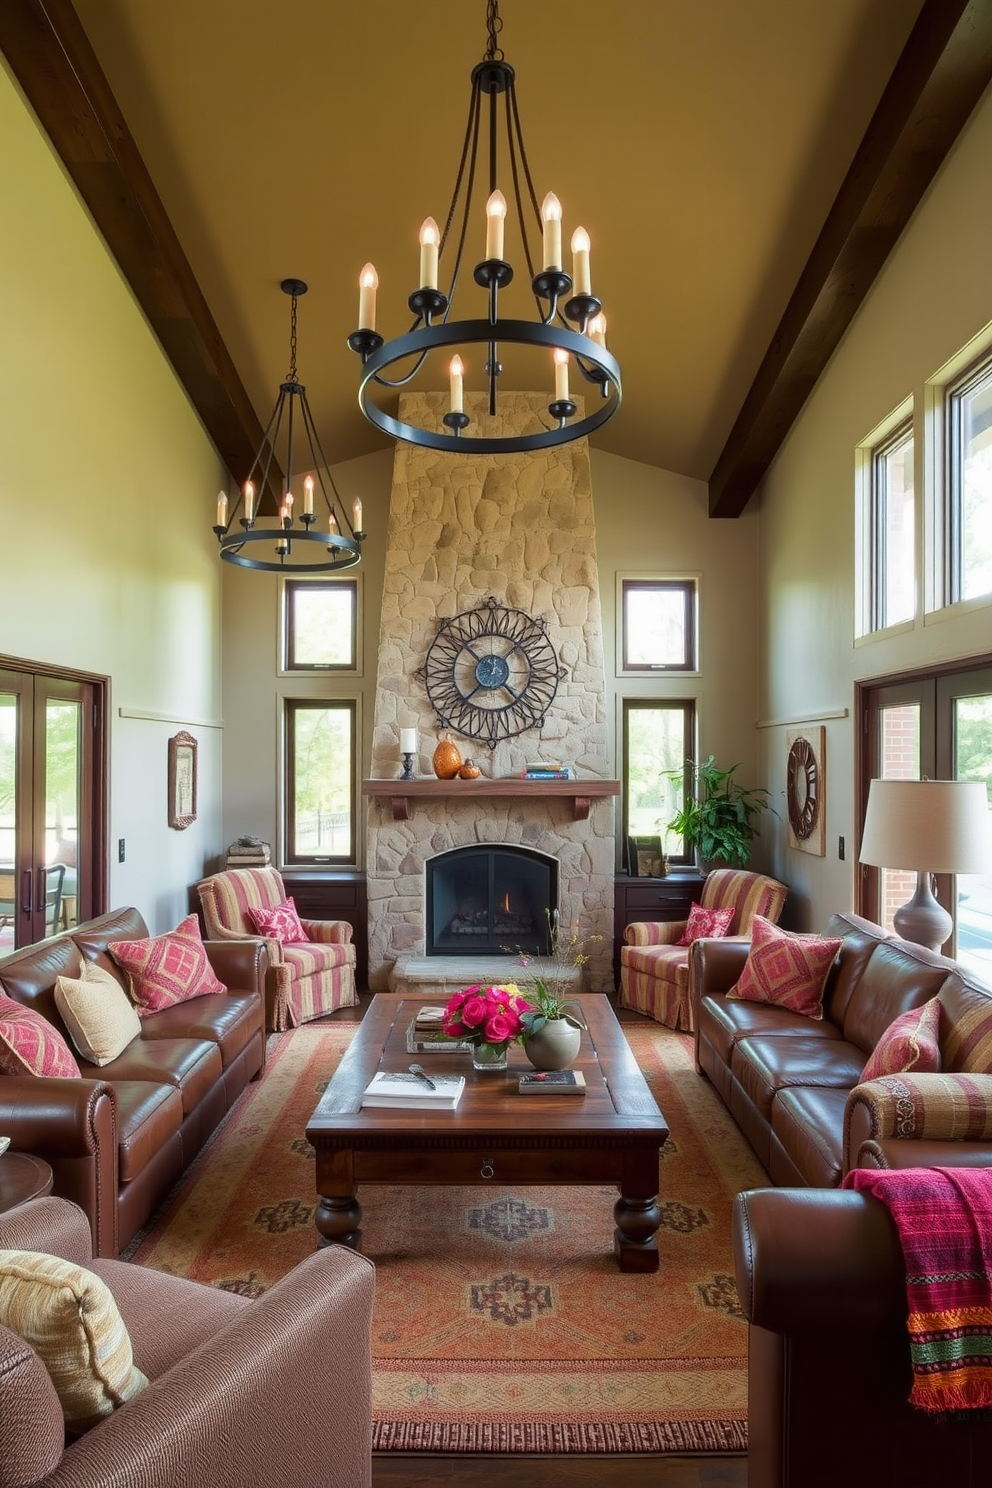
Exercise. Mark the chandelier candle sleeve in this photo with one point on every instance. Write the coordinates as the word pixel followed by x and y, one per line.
pixel 495 217
pixel 597 329
pixel 456 394
pixel 581 275
pixel 222 510
pixel 429 240
pixel 357 510
pixel 308 496
pixel 368 283
pixel 249 501
pixel 551 217
pixel 561 375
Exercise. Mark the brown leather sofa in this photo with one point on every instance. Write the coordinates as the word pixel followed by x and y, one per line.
pixel 119 1137
pixel 793 1083
pixel 274 1391
pixel 821 1279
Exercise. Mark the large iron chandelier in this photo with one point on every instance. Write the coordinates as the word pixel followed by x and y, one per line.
pixel 560 298
pixel 298 541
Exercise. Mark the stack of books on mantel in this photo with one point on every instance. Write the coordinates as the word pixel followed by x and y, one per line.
pixel 248 852
pixel 425 1035
pixel 545 770
pixel 401 1091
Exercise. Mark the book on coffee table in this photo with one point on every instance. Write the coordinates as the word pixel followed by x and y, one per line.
pixel 424 1035
pixel 553 1082
pixel 399 1091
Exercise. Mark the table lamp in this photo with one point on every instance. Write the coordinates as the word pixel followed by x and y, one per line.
pixel 927 826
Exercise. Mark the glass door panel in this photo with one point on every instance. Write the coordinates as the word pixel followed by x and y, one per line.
pixel 899 759
pixel 973 891
pixel 63 764
pixel 9 733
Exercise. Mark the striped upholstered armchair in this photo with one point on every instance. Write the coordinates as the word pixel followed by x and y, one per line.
pixel 654 970
pixel 306 978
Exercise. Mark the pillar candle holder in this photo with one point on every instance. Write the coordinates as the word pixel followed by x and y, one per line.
pixel 408 768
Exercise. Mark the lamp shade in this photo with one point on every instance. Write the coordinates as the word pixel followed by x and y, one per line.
pixel 929 826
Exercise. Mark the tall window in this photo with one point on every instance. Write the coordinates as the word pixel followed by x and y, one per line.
pixel 320 781
pixel 658 738
pixel 892 576
pixel 969 485
pixel 658 625
pixel 320 624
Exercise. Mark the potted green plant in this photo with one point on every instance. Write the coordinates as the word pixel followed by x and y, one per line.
pixel 551 1028
pixel 719 816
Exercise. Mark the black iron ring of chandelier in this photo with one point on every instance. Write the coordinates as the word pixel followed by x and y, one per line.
pixel 297 543
pixel 432 328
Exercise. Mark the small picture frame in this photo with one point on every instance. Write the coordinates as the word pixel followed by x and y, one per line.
pixel 182 781
pixel 645 858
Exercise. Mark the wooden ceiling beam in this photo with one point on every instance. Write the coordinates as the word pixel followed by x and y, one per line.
pixel 50 56
pixel 941 74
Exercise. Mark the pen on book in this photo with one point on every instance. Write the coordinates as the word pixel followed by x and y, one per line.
pixel 415 1069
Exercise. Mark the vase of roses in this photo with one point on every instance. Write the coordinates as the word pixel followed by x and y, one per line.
pixel 488 1018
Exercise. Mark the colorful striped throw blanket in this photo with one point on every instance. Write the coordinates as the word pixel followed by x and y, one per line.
pixel 944 1220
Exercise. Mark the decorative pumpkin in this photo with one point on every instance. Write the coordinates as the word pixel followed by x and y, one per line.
pixel 447 759
pixel 470 770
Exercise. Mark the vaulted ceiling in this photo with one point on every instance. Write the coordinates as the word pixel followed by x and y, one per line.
pixel 743 168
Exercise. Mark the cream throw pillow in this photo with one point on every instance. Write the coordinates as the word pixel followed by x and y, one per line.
pixel 69 1318
pixel 98 1013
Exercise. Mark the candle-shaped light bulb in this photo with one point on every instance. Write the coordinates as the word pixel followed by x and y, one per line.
pixel 357 511
pixel 332 524
pixel 551 217
pixel 561 375
pixel 221 510
pixel 597 329
pixel 308 496
pixel 495 217
pixel 249 501
pixel 430 237
pixel 581 277
pixel 368 283
pixel 455 395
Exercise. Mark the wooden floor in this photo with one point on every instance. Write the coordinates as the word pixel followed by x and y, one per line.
pixel 420 1470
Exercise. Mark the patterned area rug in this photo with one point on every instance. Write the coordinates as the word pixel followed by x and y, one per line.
pixel 501 1320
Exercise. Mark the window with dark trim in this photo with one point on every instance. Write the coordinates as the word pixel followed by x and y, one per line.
pixel 968 510
pixel 658 625
pixel 658 740
pixel 320 746
pixel 321 625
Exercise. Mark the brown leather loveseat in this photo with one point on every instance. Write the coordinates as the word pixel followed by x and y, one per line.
pixel 120 1136
pixel 822 1282
pixel 793 1084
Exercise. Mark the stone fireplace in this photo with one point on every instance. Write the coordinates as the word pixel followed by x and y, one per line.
pixel 462 528
pixel 488 900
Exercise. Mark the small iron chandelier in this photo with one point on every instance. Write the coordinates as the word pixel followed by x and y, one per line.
pixel 295 542
pixel 554 290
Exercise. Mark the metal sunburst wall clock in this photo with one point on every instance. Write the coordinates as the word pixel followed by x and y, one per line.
pixel 491 673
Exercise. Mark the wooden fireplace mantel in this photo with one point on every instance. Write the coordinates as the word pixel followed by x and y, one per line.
pixel 403 793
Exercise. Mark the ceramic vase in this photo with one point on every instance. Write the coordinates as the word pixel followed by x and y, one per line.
pixel 447 759
pixel 555 1046
pixel 489 1056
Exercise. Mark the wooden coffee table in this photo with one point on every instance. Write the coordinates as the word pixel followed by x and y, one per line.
pixel 613 1134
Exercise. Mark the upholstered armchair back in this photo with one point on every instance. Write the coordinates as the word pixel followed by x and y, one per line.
pixel 226 898
pixel 750 894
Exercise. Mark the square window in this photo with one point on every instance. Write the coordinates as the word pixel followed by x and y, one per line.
pixel 320 625
pixel 658 625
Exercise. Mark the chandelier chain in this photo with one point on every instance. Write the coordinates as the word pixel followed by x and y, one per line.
pixel 292 342
pixel 494 25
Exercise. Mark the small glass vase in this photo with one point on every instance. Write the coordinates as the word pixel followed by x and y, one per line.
pixel 490 1056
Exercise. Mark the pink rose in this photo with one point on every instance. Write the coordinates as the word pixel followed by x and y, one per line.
pixel 474 1012
pixel 498 1029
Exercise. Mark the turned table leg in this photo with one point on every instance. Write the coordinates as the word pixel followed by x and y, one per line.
pixel 338 1218
pixel 634 1244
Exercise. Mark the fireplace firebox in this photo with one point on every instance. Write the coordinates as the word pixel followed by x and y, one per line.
pixel 485 900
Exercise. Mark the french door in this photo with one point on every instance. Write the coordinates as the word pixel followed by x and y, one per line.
pixel 52 846
pixel 937 725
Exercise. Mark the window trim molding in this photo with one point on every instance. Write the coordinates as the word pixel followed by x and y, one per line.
pixel 641 702
pixel 353 701
pixel 330 671
pixel 669 579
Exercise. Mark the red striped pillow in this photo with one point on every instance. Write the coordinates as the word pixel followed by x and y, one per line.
pixel 29 1045
pixel 787 970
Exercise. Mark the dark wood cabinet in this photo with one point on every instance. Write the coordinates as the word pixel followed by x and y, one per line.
pixel 323 894
pixel 666 898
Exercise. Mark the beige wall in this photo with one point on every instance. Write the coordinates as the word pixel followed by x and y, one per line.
pixel 933 296
pixel 107 484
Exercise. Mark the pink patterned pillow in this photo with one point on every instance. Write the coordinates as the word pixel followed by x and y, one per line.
pixel 29 1045
pixel 281 923
pixel 166 969
pixel 705 924
pixel 789 971
pixel 909 1043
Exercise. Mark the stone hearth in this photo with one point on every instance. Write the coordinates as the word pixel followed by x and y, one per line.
pixel 521 529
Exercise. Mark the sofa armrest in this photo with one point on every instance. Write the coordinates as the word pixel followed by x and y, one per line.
pixel 816 1260
pixel 654 932
pixel 333 932
pixel 240 964
pixel 56 1117
pixel 53 1226
pixel 282 1393
pixel 907 1107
